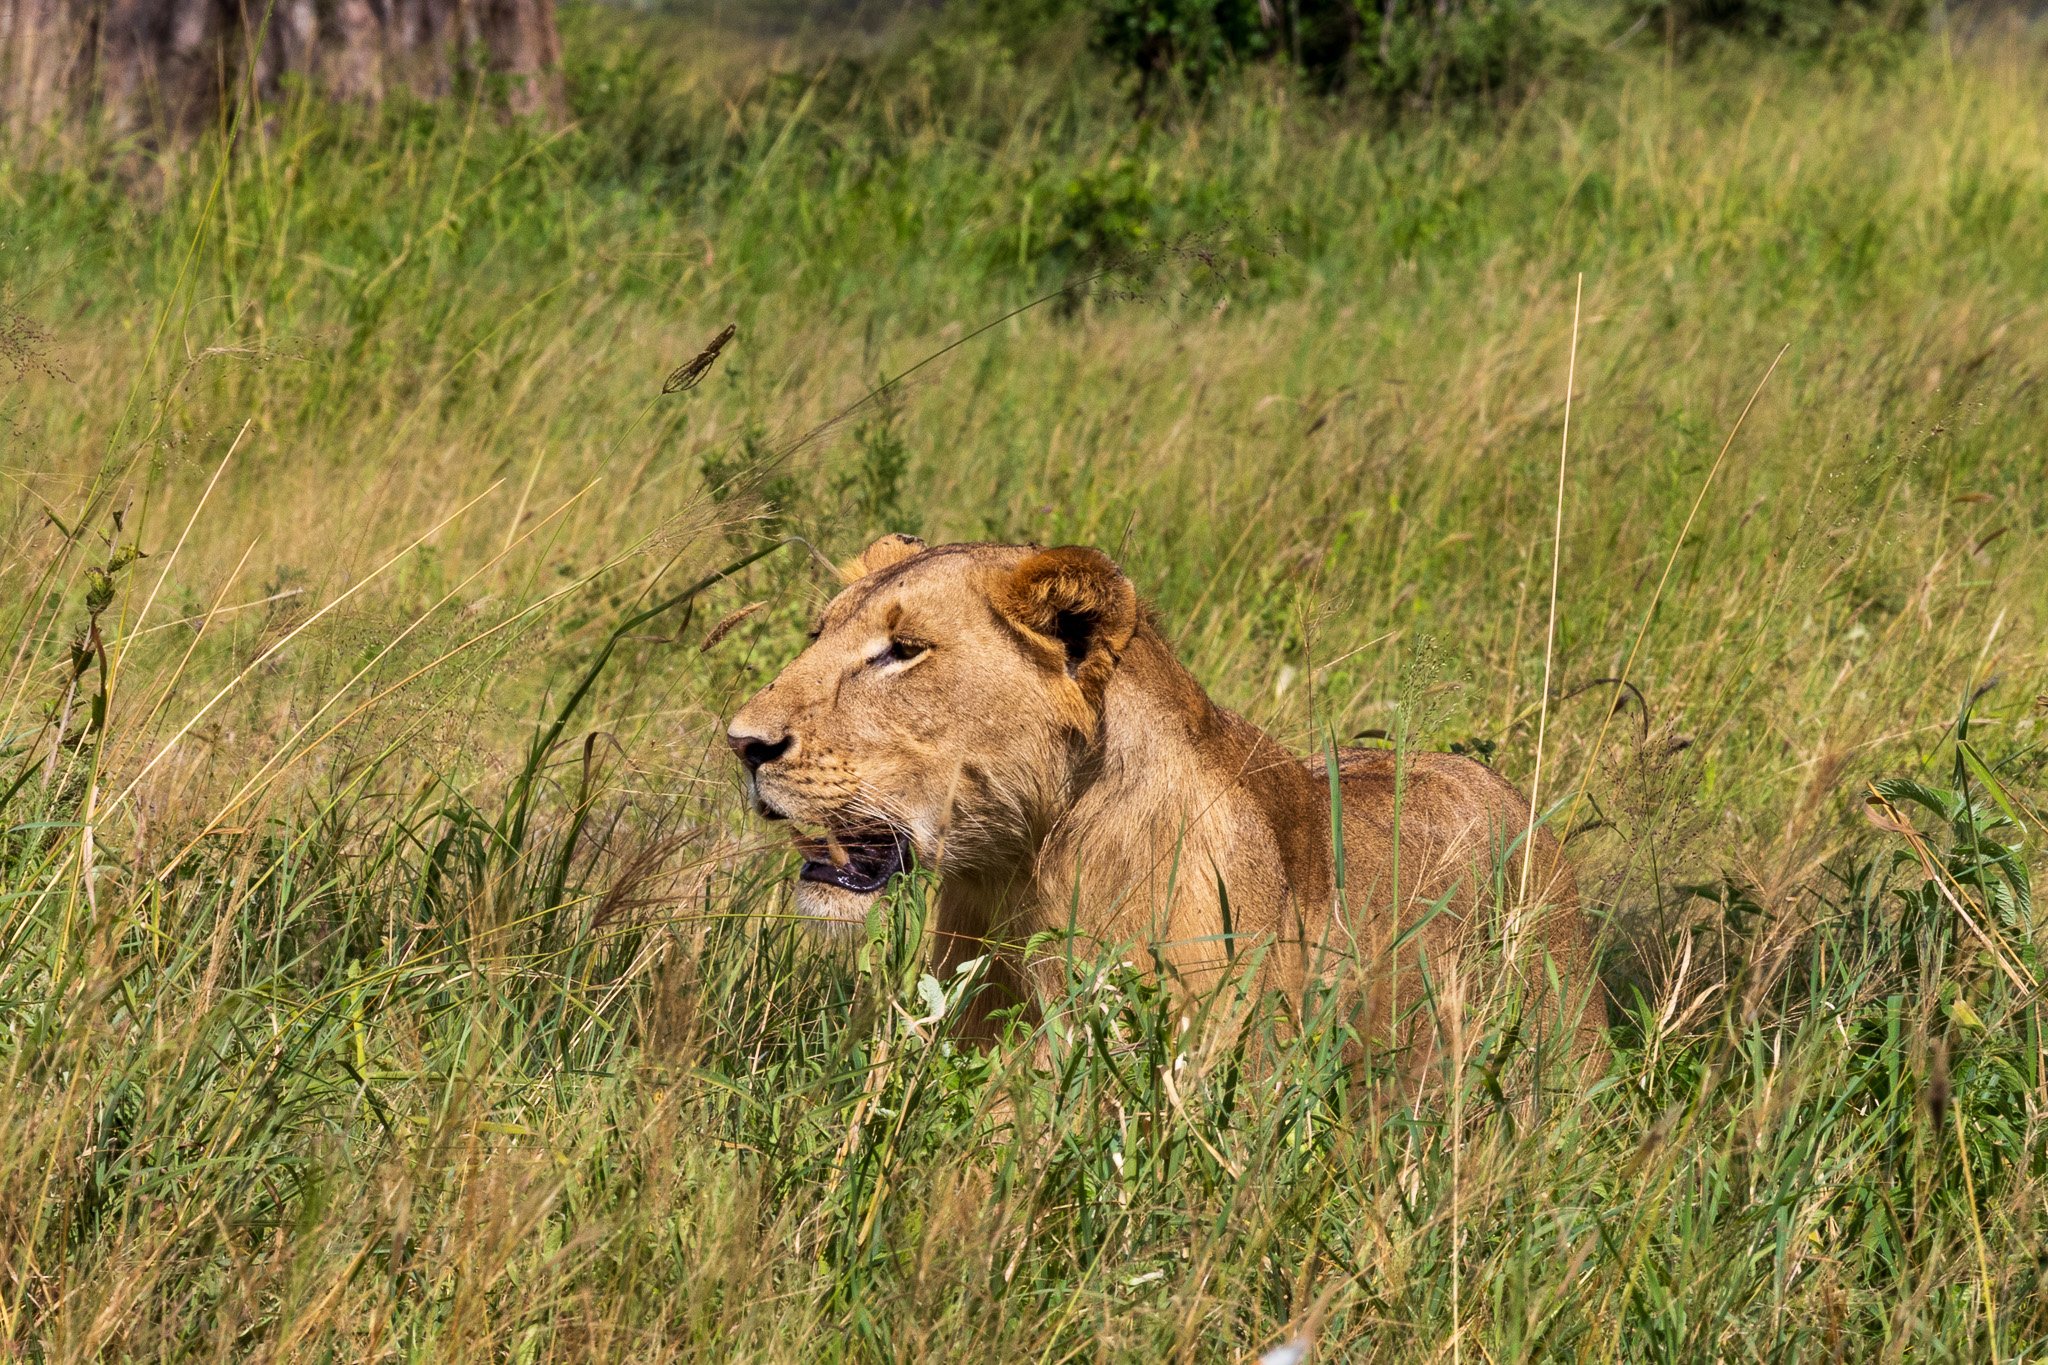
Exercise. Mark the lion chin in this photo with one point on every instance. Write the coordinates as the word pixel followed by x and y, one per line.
pixel 834 909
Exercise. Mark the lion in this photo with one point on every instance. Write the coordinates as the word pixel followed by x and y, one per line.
pixel 1012 718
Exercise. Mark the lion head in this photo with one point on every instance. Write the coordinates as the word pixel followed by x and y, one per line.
pixel 939 715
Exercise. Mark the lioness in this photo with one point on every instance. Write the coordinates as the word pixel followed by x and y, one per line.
pixel 1012 717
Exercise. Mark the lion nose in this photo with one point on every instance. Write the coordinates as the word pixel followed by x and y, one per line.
pixel 754 747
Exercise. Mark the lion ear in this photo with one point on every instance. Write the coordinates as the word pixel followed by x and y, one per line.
pixel 1077 605
pixel 890 549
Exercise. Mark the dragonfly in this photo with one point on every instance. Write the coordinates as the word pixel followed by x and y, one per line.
pixel 691 372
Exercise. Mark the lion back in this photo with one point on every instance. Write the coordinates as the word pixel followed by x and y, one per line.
pixel 1440 868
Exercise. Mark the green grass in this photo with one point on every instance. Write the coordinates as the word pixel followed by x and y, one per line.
pixel 363 1022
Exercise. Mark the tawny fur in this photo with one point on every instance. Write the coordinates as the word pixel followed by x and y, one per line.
pixel 1052 760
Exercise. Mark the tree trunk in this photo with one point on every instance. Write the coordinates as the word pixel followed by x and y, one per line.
pixel 179 64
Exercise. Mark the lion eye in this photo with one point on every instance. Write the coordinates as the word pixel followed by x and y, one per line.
pixel 897 652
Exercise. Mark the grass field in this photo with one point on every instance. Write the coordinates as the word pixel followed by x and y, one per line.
pixel 389 969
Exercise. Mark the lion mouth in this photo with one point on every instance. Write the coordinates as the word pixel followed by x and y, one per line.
pixel 857 858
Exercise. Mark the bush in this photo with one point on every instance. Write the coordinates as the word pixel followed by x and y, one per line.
pixel 1403 52
pixel 1185 42
pixel 1795 23
pixel 1413 51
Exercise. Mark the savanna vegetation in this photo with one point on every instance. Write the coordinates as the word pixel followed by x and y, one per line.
pixel 390 970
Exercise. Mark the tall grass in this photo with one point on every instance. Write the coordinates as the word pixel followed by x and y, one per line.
pixel 390 971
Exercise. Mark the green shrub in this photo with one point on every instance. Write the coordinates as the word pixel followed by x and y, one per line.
pixel 1402 52
pixel 1103 216
pixel 1183 42
pixel 1412 51
pixel 1796 23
